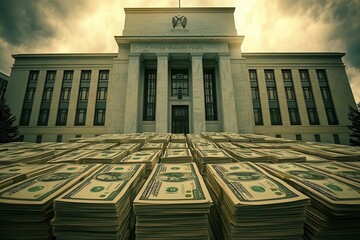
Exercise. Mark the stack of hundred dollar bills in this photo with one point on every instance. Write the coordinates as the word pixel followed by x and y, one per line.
pixel 100 206
pixel 149 158
pixel 177 156
pixel 249 203
pixel 173 204
pixel 29 204
pixel 105 156
pixel 206 156
pixel 334 212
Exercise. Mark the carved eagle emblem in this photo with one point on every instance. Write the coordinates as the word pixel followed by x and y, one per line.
pixel 179 20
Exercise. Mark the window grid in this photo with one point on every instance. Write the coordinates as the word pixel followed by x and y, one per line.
pixel 43 117
pixel 99 117
pixel 80 118
pixel 149 96
pixel 62 117
pixel 255 97
pixel 210 95
pixel 179 82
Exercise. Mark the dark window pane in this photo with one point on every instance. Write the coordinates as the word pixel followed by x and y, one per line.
pixel 149 96
pixel 275 116
pixel 210 95
pixel 43 117
pixel 80 117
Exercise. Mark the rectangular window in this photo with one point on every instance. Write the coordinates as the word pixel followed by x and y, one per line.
pixel 47 94
pixel 50 76
pixel 321 75
pixel 255 93
pixel 61 117
pixel 313 117
pixel 78 135
pixel 278 135
pixel 101 93
pixel 336 138
pixel 298 137
pixel 25 117
pixel 43 117
pixel 210 95
pixel 83 93
pixel 99 119
pixel 252 75
pixel 272 95
pixel 286 75
pixel 275 116
pixel 30 93
pixel 290 93
pixel 65 94
pixel 103 75
pixel 307 93
pixel 294 116
pixel 304 75
pixel 258 116
pixel 38 138
pixel 331 116
pixel 269 75
pixel 317 137
pixel 85 75
pixel 325 92
pixel 33 76
pixel 21 138
pixel 59 138
pixel 149 95
pixel 80 117
pixel 68 76
pixel 179 82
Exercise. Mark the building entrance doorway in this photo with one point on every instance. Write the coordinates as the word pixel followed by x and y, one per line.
pixel 180 119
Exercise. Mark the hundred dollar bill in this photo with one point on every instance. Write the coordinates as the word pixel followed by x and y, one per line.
pixel 100 146
pixel 162 138
pixel 174 184
pixel 24 156
pixel 129 147
pixel 246 184
pixel 106 185
pixel 153 146
pixel 41 189
pixel 177 146
pixel 245 154
pixel 17 172
pixel 72 157
pixel 333 189
pixel 336 168
pixel 227 145
pixel 178 138
pixel 234 137
pixel 282 155
pixel 149 156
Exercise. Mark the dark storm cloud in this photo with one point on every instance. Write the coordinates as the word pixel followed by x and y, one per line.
pixel 24 22
pixel 342 15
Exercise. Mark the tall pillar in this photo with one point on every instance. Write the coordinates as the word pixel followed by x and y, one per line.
pixel 229 117
pixel 131 117
pixel 198 93
pixel 161 116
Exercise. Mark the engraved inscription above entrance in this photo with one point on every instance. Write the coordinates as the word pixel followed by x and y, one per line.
pixel 177 48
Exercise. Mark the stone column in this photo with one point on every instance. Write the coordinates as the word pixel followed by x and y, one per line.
pixel 161 109
pixel 227 102
pixel 198 103
pixel 132 95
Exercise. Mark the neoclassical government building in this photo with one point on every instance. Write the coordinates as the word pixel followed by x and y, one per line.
pixel 180 70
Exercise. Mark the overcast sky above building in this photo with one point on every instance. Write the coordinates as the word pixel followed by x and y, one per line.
pixel 63 26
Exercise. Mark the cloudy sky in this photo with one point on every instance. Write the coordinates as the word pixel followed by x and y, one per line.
pixel 62 26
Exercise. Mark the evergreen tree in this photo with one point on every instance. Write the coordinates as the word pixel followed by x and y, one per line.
pixel 354 117
pixel 8 132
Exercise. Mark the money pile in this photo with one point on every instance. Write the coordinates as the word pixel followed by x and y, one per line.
pixel 116 138
pixel 248 155
pixel 172 145
pixel 247 145
pixel 178 138
pixel 161 138
pixel 273 145
pixel 29 203
pixel 226 145
pixel 100 206
pixel 344 170
pixel 143 138
pixel 176 156
pixel 249 203
pixel 100 146
pixel 106 156
pixel 334 212
pixel 71 157
pixel 235 137
pixel 149 158
pixel 153 146
pixel 17 172
pixel 324 153
pixel 254 137
pixel 173 204
pixel 206 156
pixel 128 147
pixel 282 155
pixel 72 146
pixel 30 156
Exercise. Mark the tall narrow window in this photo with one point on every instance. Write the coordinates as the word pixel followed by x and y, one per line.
pixel 85 75
pixel 313 117
pixel 179 82
pixel 47 94
pixel 43 117
pixel 101 93
pixel 62 117
pixel 149 95
pixel 99 117
pixel 272 93
pixel 255 97
pixel 68 75
pixel 275 116
pixel 65 94
pixel 290 94
pixel 25 117
pixel 80 117
pixel 294 116
pixel 258 116
pixel 30 93
pixel 29 98
pixel 83 93
pixel 210 95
